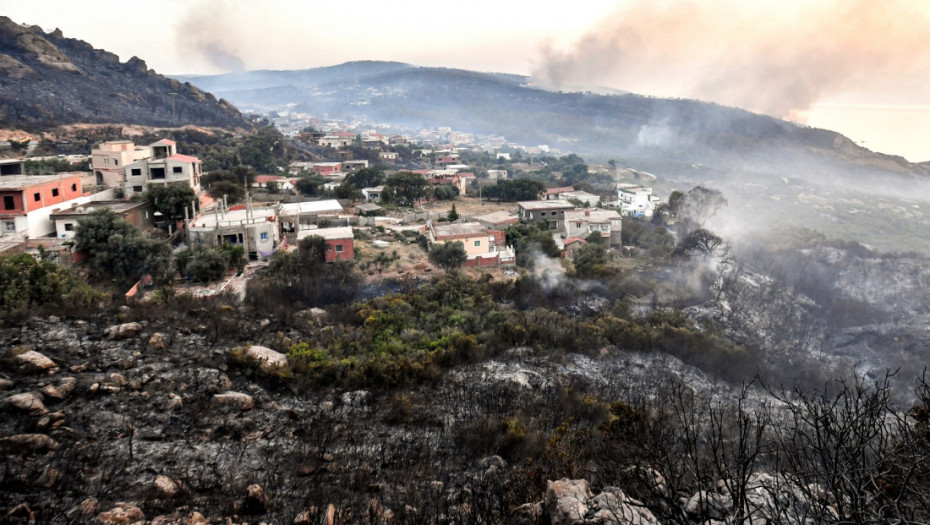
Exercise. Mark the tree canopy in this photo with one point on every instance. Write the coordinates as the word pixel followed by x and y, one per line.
pixel 407 187
pixel 170 199
pixel 449 255
pixel 116 249
pixel 522 189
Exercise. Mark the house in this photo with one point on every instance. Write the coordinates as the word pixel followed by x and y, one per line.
pixel 282 183
pixel 326 169
pixel 586 199
pixel 483 247
pixel 12 167
pixel 388 157
pixel 497 174
pixel 256 229
pixel 139 214
pixel 340 242
pixel 109 158
pixel 571 246
pixel 354 165
pixel 373 194
pixel 551 212
pixel 553 193
pixel 298 216
pixel 498 220
pixel 581 223
pixel 367 209
pixel 337 140
pixel 163 165
pixel 636 201
pixel 29 200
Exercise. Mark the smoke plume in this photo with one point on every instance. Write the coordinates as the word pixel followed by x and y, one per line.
pixel 208 30
pixel 775 60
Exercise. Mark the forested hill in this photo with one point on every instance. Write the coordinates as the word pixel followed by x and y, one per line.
pixel 47 80
pixel 619 125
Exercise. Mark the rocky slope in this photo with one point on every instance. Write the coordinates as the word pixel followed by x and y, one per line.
pixel 47 79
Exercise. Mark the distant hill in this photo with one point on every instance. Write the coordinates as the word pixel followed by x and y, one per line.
pixel 48 80
pixel 617 125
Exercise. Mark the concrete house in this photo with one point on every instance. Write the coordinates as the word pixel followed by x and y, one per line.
pixel 139 214
pixel 256 230
pixel 340 242
pixel 636 201
pixel 295 217
pixel 109 159
pixel 581 223
pixel 552 212
pixel 12 167
pixel 483 247
pixel 373 194
pixel 164 166
pixel 27 201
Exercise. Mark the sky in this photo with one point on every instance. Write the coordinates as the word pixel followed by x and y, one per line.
pixel 859 67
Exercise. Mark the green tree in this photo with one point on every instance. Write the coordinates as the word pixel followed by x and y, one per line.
pixel 310 186
pixel 26 283
pixel 591 261
pixel 453 214
pixel 445 192
pixel 170 199
pixel 235 255
pixel 207 264
pixel 234 192
pixel 365 178
pixel 407 187
pixel 117 250
pixel 312 251
pixel 449 256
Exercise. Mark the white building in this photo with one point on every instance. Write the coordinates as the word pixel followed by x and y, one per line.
pixel 256 230
pixel 581 223
pixel 636 201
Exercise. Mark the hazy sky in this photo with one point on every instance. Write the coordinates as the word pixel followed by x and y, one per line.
pixel 860 67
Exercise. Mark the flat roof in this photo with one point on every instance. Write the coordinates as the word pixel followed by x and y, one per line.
pixel 464 228
pixel 496 217
pixel 589 215
pixel 18 182
pixel 84 209
pixel 330 234
pixel 297 208
pixel 544 205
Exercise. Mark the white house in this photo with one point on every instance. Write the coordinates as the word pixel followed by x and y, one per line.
pixel 581 223
pixel 636 201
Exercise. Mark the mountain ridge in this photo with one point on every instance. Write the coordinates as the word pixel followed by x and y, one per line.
pixel 47 79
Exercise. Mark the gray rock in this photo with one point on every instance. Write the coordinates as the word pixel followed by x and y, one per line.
pixel 709 504
pixel 527 514
pixel 233 400
pixel 28 443
pixel 62 390
pixel 85 510
pixel 616 508
pixel 566 501
pixel 166 487
pixel 125 330
pixel 268 360
pixel 33 362
pixel 28 401
pixel 5 384
pixel 121 514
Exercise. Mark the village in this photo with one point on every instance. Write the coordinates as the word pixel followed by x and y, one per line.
pixel 389 212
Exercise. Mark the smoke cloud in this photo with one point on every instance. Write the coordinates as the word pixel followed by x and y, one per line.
pixel 775 60
pixel 209 30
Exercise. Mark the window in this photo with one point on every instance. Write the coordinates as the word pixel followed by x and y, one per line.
pixel 177 169
pixel 338 248
pixel 74 187
pixel 8 203
pixel 158 173
pixel 136 171
pixel 69 227
pixel 137 189
pixel 10 226
pixel 264 236
pixel 116 162
pixel 54 192
pixel 477 244
pixel 37 197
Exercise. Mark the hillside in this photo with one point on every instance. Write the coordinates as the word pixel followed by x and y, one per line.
pixel 47 79
pixel 620 126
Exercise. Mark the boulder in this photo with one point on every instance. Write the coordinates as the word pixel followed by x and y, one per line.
pixel 303 518
pixel 256 501
pixel 5 384
pixel 22 512
pixel 329 516
pixel 125 330
pixel 121 514
pixel 268 360
pixel 174 402
pixel 156 342
pixel 566 501
pixel 28 443
pixel 709 504
pixel 166 487
pixel 616 508
pixel 28 402
pixel 195 518
pixel 62 390
pixel 33 362
pixel 233 401
pixel 527 514
pixel 85 510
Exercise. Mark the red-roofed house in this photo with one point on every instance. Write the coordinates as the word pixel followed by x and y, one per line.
pixel 553 193
pixel 571 247
pixel 131 168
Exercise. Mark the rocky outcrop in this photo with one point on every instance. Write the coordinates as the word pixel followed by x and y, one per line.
pixel 571 502
pixel 267 359
pixel 33 362
pixel 47 79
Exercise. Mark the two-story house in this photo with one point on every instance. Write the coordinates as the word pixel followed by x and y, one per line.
pixel 551 213
pixel 164 166
pixel 109 159
pixel 582 223
pixel 27 201
pixel 637 201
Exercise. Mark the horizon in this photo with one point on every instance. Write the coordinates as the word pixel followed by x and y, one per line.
pixel 849 67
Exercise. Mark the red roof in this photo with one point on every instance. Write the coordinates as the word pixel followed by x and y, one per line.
pixel 571 240
pixel 167 142
pixel 183 158
pixel 262 179
pixel 556 191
